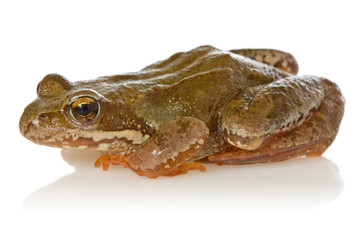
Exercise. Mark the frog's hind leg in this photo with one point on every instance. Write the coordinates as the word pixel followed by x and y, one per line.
pixel 276 58
pixel 291 117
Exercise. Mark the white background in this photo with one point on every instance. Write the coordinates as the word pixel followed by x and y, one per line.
pixel 45 197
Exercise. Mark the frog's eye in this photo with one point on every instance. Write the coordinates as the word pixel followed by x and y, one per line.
pixel 85 109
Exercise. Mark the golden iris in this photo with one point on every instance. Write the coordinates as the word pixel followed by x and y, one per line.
pixel 84 109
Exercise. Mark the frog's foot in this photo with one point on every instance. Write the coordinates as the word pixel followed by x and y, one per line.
pixel 276 58
pixel 301 119
pixel 106 160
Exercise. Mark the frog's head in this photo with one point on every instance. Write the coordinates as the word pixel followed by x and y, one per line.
pixel 76 115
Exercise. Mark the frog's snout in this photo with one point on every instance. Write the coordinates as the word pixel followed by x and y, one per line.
pixel 42 119
pixel 40 127
pixel 25 122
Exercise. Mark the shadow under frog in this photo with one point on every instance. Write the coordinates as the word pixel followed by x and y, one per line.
pixel 297 184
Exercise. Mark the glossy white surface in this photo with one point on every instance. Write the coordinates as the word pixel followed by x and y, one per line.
pixel 52 194
pixel 300 183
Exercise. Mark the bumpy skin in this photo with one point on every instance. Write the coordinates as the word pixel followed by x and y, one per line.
pixel 272 57
pixel 240 106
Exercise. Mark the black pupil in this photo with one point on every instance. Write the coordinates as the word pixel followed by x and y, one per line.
pixel 84 109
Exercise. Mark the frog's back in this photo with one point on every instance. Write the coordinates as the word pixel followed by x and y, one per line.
pixel 198 83
pixel 183 65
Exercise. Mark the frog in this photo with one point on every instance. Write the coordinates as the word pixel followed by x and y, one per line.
pixel 197 107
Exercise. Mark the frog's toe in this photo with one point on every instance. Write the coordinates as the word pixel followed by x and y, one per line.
pixel 102 161
pixel 106 160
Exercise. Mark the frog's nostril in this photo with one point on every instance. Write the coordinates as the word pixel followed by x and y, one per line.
pixel 42 116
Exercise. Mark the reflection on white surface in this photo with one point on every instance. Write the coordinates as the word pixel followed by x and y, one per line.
pixel 297 184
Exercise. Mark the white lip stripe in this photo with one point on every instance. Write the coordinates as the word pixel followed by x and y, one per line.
pixel 131 135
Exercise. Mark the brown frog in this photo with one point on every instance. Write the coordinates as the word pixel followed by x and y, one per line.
pixel 212 106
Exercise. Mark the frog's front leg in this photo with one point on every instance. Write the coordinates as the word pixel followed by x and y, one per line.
pixel 287 118
pixel 166 151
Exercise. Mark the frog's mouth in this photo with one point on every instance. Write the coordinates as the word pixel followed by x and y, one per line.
pixel 51 129
pixel 114 141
